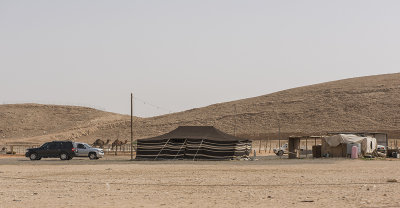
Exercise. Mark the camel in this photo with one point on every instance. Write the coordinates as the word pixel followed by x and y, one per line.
pixel 117 143
pixel 100 143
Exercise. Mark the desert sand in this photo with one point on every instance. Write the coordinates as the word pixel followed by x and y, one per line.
pixel 267 182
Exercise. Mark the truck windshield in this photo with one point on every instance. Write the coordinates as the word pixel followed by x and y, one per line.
pixel 87 146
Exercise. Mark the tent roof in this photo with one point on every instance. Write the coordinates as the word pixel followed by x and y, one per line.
pixel 335 140
pixel 196 132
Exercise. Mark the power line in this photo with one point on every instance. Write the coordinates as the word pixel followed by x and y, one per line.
pixel 152 105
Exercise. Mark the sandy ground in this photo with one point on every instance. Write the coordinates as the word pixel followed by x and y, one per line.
pixel 268 182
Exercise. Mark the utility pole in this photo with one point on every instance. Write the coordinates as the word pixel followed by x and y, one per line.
pixel 279 130
pixel 279 133
pixel 131 126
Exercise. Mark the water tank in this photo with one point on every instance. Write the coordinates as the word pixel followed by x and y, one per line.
pixel 350 146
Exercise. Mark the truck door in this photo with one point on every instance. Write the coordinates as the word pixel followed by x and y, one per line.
pixel 82 150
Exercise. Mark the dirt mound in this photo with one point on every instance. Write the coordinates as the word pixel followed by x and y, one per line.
pixel 359 104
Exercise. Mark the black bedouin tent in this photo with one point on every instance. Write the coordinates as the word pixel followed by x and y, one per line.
pixel 193 142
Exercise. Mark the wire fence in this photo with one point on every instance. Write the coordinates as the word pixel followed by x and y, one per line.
pixel 260 146
pixel 16 149
pixel 20 149
pixel 120 150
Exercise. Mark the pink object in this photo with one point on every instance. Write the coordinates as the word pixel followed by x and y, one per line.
pixel 354 152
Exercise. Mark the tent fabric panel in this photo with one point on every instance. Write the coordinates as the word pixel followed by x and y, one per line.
pixel 196 132
pixel 192 150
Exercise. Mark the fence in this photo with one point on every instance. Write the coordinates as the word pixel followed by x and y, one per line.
pixel 17 148
pixel 266 146
pixel 20 149
pixel 393 143
pixel 120 150
pixel 261 146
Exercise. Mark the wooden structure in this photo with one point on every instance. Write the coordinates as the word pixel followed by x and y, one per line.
pixel 338 151
pixel 294 148
pixel 317 151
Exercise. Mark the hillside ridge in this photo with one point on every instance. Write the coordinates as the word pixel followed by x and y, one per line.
pixel 370 103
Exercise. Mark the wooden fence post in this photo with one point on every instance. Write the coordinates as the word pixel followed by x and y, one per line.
pixel 266 146
pixel 270 145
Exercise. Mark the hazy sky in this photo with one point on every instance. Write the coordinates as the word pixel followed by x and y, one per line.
pixel 185 54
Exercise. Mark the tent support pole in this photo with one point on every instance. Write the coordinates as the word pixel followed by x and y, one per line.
pixel 131 126
pixel 198 149
pixel 180 149
pixel 162 149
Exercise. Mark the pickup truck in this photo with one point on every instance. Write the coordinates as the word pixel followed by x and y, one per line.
pixel 281 150
pixel 85 150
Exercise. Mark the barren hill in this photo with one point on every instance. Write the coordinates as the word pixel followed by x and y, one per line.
pixel 359 104
pixel 37 122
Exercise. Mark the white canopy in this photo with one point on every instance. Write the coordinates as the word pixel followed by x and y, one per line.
pixel 335 140
pixel 368 144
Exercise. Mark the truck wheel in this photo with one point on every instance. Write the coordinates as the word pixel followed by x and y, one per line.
pixel 92 156
pixel 64 156
pixel 33 156
pixel 280 153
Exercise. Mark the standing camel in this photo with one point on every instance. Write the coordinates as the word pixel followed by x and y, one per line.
pixel 117 143
pixel 100 143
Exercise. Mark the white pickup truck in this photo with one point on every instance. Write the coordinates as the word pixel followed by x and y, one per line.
pixel 281 150
pixel 85 150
